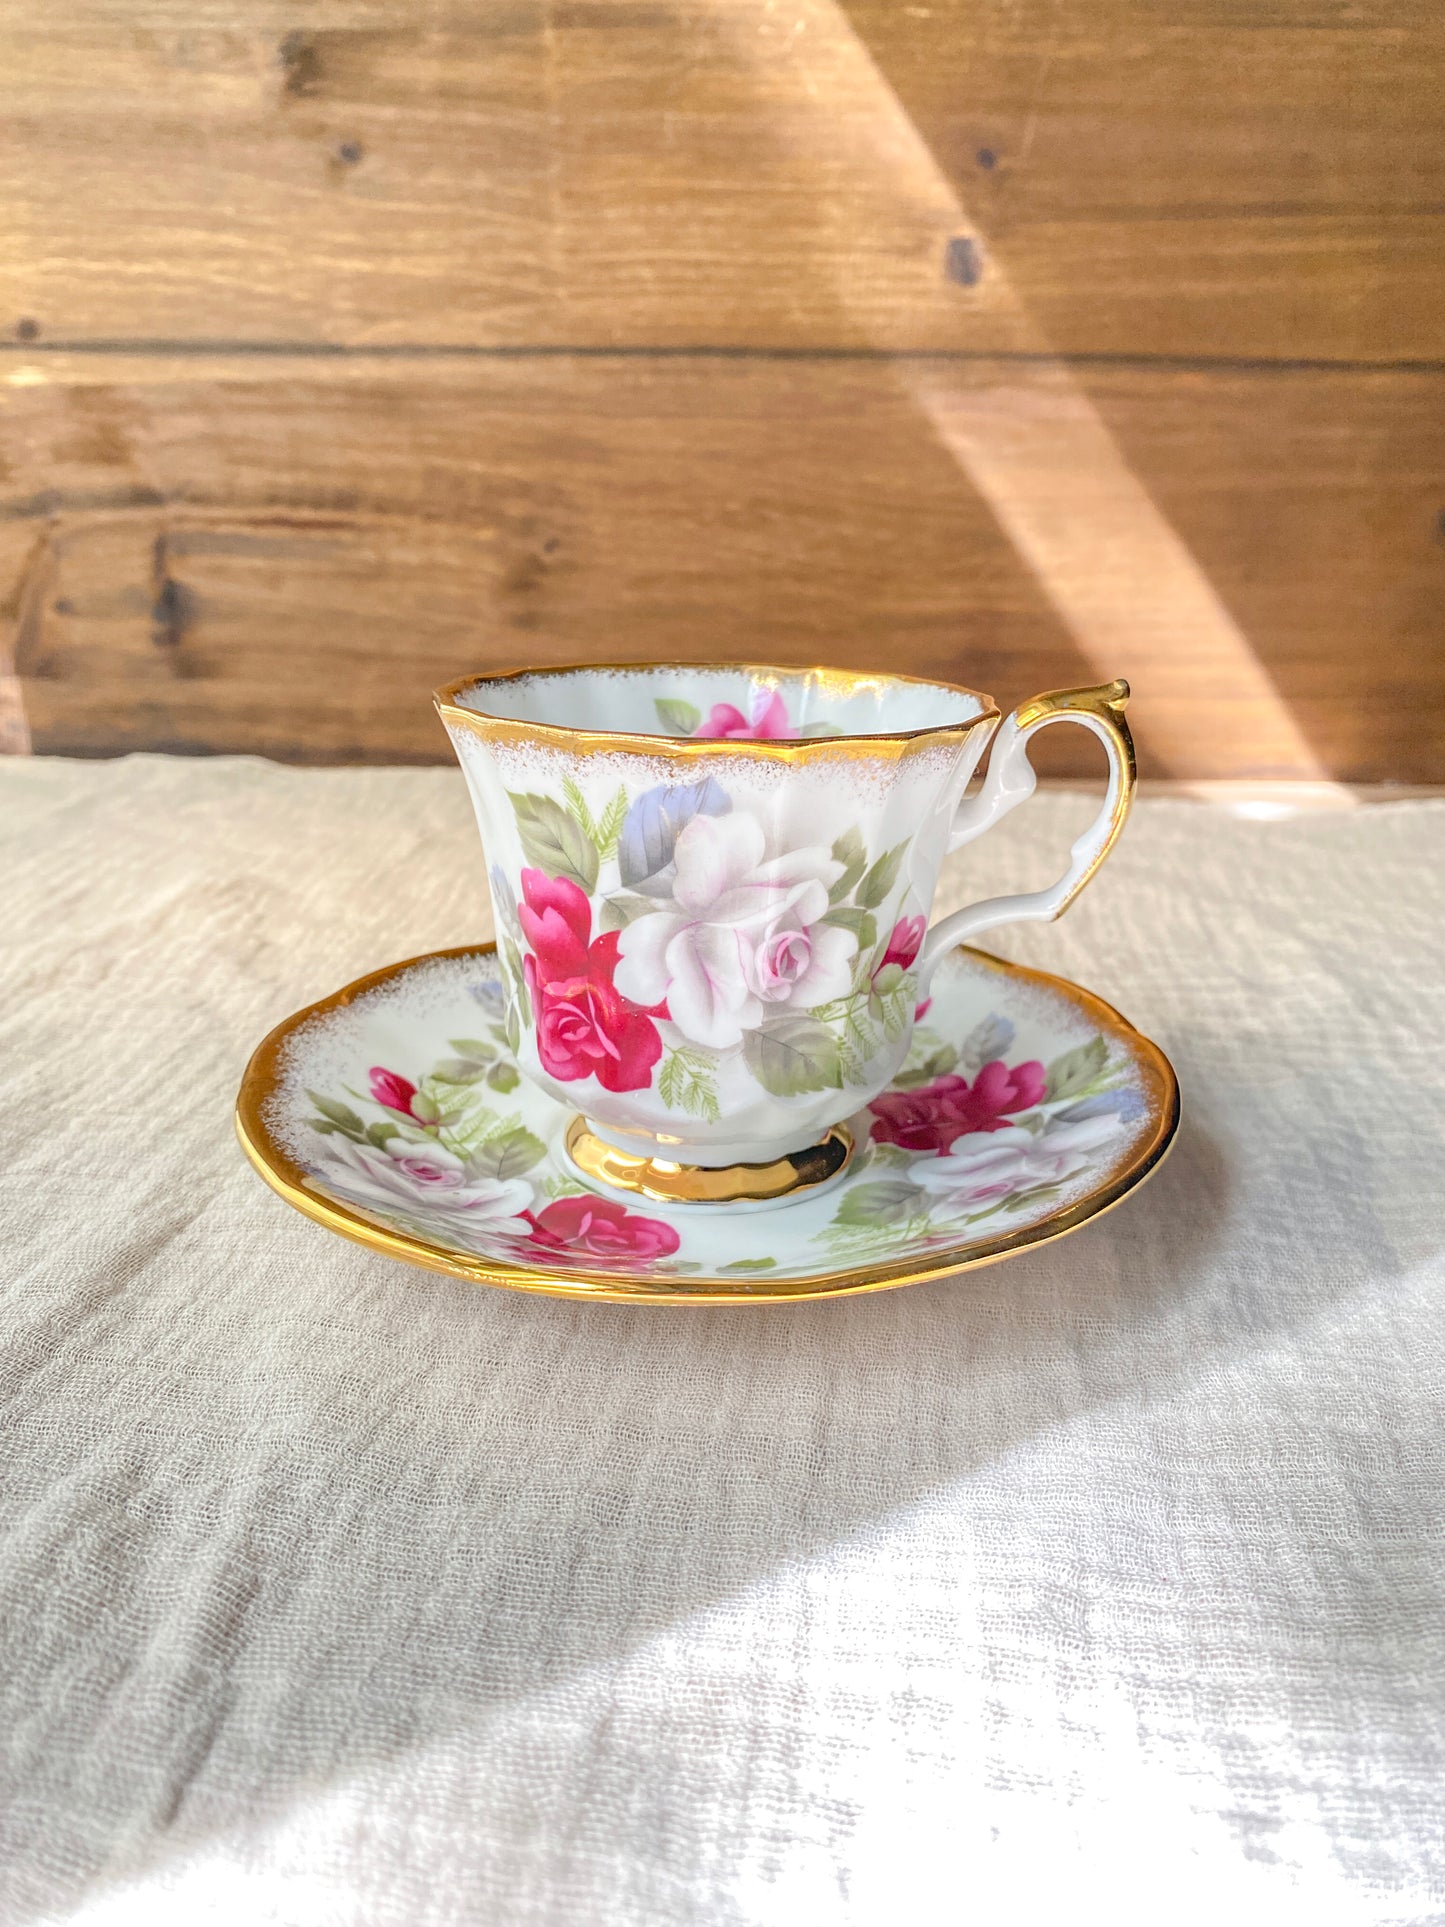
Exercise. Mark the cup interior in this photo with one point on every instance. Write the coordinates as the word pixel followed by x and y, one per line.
pixel 751 703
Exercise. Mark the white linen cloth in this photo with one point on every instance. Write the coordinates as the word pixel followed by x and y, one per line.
pixel 1104 1582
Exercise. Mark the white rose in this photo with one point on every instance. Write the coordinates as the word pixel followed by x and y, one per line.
pixel 984 1166
pixel 743 937
pixel 428 1185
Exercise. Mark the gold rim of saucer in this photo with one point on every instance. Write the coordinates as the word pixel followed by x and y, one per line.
pixel 289 1180
pixel 666 1182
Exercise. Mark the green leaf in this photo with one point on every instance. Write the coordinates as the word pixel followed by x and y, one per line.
pixel 887 980
pixel 554 841
pixel 1071 1074
pixel 937 1064
pixel 519 988
pixel 425 1109
pixel 324 1127
pixel 852 852
pixel 379 1132
pixel 609 830
pixel 459 1070
pixel 882 1201
pixel 862 923
pixel 794 1054
pixel 680 717
pixel 622 907
pixel 751 1264
pixel 504 1077
pixel 509 1156
pixel 339 1114
pixel 472 1047
pixel 880 879
pixel 685 1083
pixel 577 803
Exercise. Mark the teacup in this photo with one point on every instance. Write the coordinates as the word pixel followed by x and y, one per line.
pixel 712 887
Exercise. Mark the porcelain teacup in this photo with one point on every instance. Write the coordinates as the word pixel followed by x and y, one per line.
pixel 712 887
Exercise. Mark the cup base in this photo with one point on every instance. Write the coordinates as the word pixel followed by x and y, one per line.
pixel 799 1174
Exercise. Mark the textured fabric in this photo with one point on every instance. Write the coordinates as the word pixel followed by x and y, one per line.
pixel 1104 1581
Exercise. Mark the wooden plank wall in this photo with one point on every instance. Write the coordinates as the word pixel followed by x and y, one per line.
pixel 349 346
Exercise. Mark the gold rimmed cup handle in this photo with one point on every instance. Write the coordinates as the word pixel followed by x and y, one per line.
pixel 1011 780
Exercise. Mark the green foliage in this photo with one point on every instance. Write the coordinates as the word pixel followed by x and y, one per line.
pixel 621 908
pixel 861 922
pixel 513 960
pixel 340 1116
pixel 504 1077
pixel 577 803
pixel 609 830
pixel 685 1083
pixel 851 851
pixel 795 1053
pixel 1076 1071
pixel 938 1063
pixel 509 1155
pixel 680 717
pixel 750 1264
pixel 880 1202
pixel 554 840
pixel 874 888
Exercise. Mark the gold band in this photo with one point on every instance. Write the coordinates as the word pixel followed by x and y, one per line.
pixel 669 1183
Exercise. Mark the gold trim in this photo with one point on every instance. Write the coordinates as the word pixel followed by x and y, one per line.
pixel 287 1178
pixel 669 1183
pixel 1105 702
pixel 838 683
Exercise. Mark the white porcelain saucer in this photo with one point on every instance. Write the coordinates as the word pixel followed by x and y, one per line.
pixel 393 1113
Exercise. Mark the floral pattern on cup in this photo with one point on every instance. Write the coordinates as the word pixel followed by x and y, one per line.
pixel 679 933
pixel 767 720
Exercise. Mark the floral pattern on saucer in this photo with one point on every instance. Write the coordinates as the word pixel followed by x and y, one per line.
pixel 403 1104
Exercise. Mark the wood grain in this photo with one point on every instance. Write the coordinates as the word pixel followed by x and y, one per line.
pixel 286 558
pixel 1022 341
pixel 1093 177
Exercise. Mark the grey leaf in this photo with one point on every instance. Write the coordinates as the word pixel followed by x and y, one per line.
pixel 657 818
pixel 985 1042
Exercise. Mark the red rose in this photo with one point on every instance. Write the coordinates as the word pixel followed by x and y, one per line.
pixel 598 1229
pixel 905 942
pixel 393 1091
pixel 585 1028
pixel 948 1108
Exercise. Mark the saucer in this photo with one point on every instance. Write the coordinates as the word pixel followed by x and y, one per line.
pixel 393 1112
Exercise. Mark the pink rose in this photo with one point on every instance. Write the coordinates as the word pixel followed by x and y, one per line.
pixel 392 1090
pixel 779 963
pixel 601 1230
pixel 904 943
pixel 585 1026
pixel 948 1108
pixel 769 720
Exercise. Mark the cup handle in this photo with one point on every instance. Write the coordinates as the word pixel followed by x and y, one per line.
pixel 1010 780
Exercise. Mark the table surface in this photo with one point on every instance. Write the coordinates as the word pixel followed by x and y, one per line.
pixel 332 1591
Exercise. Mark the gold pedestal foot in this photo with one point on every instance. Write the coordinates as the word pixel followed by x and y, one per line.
pixel 669 1183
